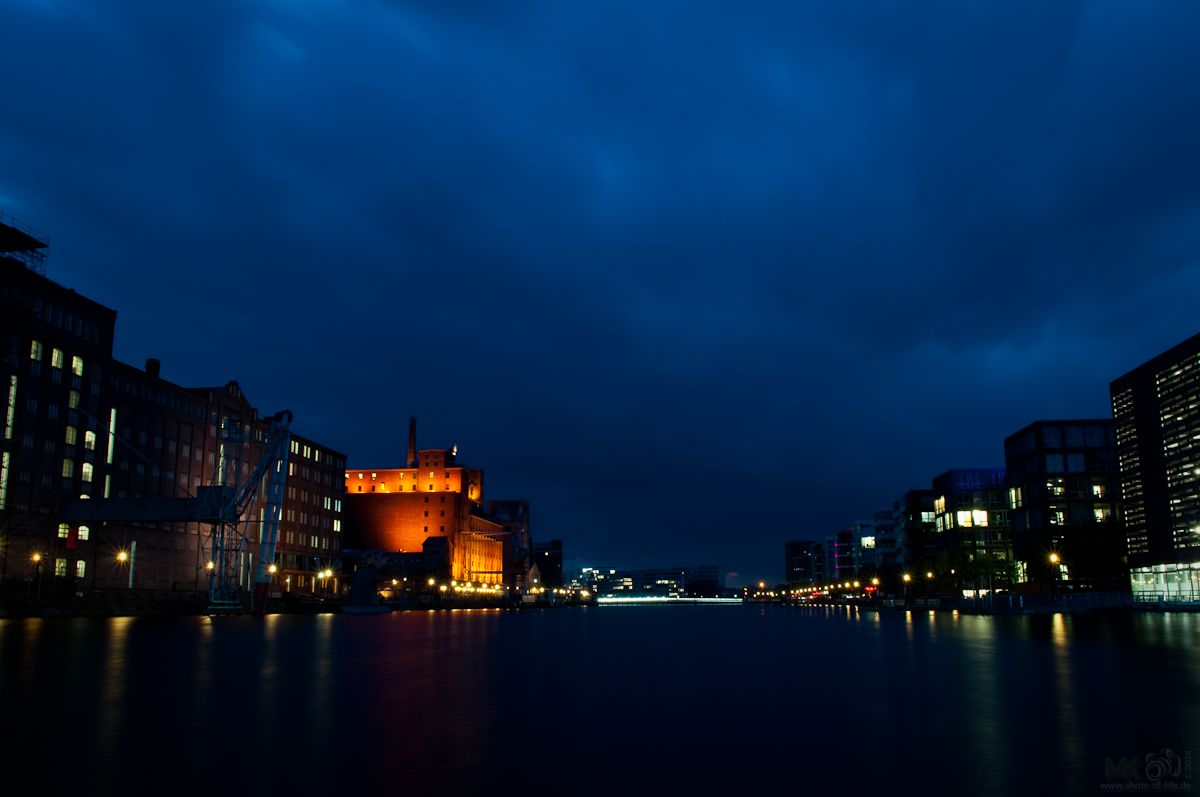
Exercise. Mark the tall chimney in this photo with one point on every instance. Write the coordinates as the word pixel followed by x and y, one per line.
pixel 412 442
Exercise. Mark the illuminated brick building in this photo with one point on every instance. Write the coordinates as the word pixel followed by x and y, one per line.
pixel 433 498
pixel 79 423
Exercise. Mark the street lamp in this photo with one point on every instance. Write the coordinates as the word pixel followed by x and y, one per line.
pixel 906 578
pixel 37 564
pixel 1054 560
pixel 129 556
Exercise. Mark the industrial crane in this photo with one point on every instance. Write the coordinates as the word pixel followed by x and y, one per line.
pixel 227 539
pixel 221 505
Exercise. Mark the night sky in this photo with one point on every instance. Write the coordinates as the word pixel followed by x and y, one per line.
pixel 693 280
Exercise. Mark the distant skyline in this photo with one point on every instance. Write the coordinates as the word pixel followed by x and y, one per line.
pixel 693 281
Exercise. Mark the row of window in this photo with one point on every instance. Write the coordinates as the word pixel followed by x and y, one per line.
pixel 57 358
pixel 60 568
pixel 86 470
pixel 66 320
pixel 64 531
pixel 31 405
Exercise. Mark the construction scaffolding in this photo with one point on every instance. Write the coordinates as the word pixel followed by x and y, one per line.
pixel 23 244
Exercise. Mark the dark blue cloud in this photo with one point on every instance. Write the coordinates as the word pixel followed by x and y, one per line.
pixel 692 280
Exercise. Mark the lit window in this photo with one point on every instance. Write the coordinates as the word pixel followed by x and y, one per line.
pixel 77 366
pixel 56 361
pixel 35 351
pixel 964 518
pixel 86 471
pixel 71 435
pixel 73 399
pixel 60 568
pixel 84 532
pixel 68 469
pixel 80 569
pixel 1102 512
pixel 979 517
pixel 89 440
pixel 64 531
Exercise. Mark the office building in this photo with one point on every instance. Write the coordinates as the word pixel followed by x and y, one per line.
pixel 799 563
pixel 1063 485
pixel 1156 408
pixel 972 546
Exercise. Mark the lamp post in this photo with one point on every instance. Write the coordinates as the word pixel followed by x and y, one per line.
pixel 906 578
pixel 129 556
pixel 1054 560
pixel 37 564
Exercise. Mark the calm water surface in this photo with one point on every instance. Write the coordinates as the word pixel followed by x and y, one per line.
pixel 600 700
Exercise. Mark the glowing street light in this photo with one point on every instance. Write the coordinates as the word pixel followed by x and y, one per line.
pixel 129 556
pixel 273 569
pixel 1054 560
pixel 209 565
pixel 928 574
pixel 907 578
pixel 37 563
pixel 875 582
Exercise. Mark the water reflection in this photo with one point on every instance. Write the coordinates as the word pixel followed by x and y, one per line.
pixel 1067 715
pixel 658 696
pixel 112 697
pixel 982 710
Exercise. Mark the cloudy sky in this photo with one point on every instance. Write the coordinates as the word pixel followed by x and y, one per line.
pixel 693 279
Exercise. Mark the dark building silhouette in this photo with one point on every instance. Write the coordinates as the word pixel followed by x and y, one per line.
pixel 547 564
pixel 1063 492
pixel 915 521
pixel 1156 407
pixel 513 516
pixel 799 562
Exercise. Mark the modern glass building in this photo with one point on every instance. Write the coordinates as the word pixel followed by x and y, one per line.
pixel 1156 407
